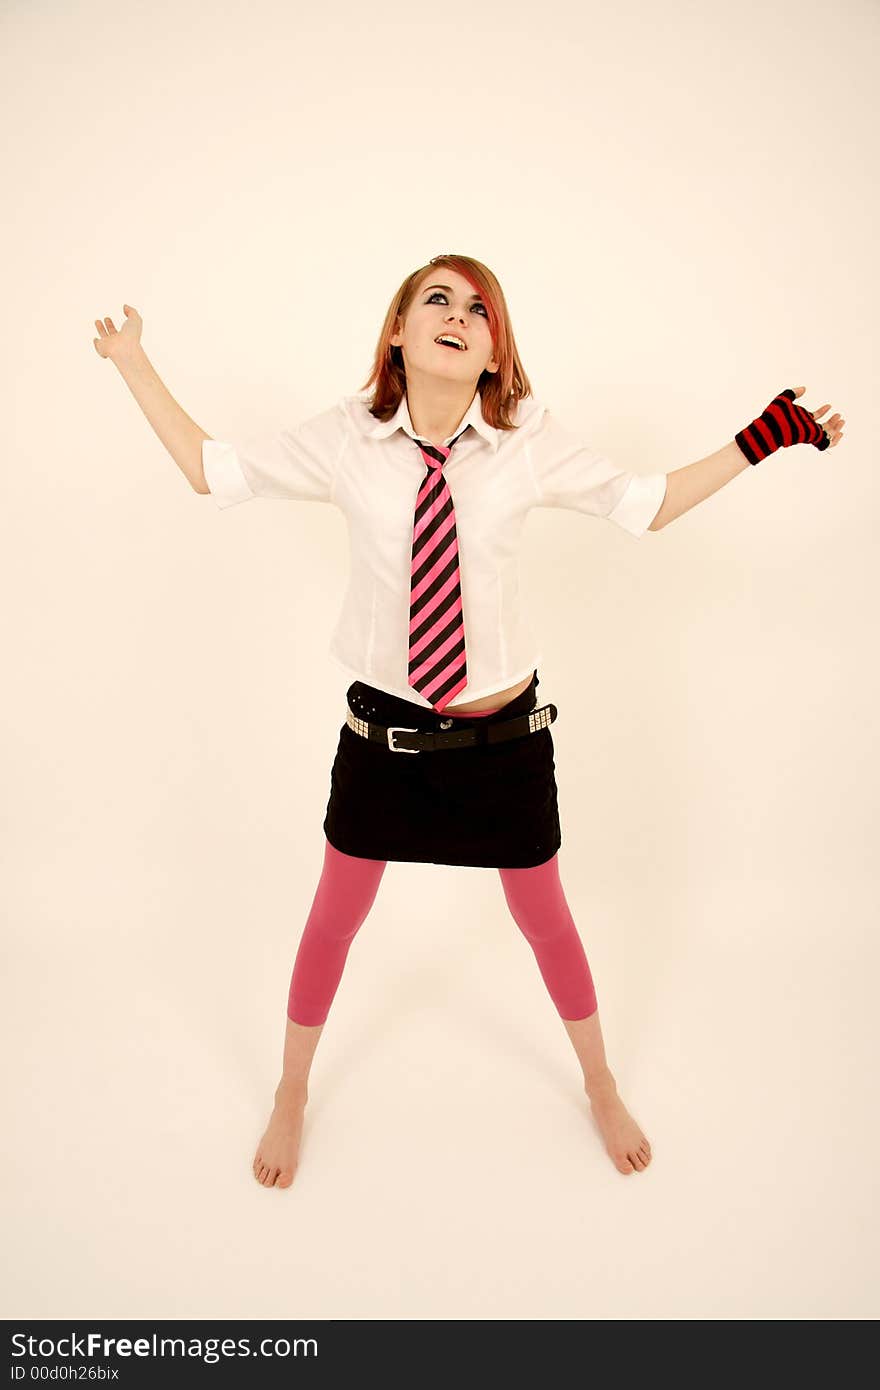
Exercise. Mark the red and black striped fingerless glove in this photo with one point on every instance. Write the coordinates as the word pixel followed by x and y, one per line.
pixel 781 424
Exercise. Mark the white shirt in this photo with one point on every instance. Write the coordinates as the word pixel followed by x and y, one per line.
pixel 372 472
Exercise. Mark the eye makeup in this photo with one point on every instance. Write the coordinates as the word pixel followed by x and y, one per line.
pixel 478 302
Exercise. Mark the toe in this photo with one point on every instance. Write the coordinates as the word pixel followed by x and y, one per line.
pixel 623 1165
pixel 285 1180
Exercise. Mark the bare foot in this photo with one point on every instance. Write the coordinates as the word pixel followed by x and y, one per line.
pixel 276 1158
pixel 625 1142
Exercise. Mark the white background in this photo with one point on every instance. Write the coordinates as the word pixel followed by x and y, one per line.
pixel 679 202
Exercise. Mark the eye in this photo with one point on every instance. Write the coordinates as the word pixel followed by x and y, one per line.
pixel 478 305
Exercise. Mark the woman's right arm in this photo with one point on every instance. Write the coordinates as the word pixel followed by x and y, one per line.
pixel 181 436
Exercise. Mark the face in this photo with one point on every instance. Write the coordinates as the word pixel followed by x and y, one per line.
pixel 457 310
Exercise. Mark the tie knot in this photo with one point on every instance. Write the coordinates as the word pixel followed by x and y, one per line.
pixel 437 454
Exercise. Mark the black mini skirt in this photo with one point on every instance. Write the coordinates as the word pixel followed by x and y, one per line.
pixel 485 806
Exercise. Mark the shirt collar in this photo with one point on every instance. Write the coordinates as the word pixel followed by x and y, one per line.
pixel 381 429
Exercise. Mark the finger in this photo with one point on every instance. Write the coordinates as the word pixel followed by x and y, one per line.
pixel 821 411
pixel 799 390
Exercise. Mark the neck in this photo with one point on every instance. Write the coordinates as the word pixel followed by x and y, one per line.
pixel 437 409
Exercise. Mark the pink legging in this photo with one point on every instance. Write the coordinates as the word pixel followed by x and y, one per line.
pixel 347 889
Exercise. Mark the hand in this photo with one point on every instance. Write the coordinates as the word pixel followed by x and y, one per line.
pixel 116 345
pixel 783 423
pixel 833 427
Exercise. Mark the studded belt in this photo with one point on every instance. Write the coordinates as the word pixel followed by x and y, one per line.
pixel 430 741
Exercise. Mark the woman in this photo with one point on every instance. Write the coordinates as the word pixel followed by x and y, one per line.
pixel 445 756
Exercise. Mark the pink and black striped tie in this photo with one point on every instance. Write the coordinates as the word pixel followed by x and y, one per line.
pixel 437 660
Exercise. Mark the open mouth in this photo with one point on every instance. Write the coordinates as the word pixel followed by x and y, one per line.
pixel 449 340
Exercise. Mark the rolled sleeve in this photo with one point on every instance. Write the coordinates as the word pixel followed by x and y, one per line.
pixel 640 502
pixel 570 474
pixel 223 474
pixel 296 464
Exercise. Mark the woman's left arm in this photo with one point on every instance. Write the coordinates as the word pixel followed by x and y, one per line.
pixel 783 423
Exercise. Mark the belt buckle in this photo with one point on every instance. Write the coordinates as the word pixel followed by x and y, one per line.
pixel 399 729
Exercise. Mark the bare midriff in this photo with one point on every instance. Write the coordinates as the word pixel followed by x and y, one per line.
pixel 492 702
